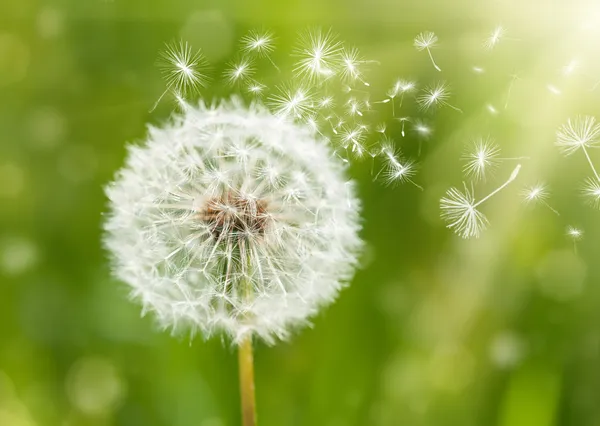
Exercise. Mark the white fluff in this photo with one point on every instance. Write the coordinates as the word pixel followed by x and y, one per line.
pixel 232 219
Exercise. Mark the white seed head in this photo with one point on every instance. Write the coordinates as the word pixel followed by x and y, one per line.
pixel 481 158
pixel 435 95
pixel 591 192
pixel 351 64
pixel 574 233
pixel 494 38
pixel 319 55
pixel 460 212
pixel 535 193
pixel 184 70
pixel 239 71
pixel 578 132
pixel 230 219
pixel 292 102
pixel 425 40
pixel 258 42
pixel 396 169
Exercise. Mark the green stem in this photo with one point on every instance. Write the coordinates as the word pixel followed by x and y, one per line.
pixel 246 361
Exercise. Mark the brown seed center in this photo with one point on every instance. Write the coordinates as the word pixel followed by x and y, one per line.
pixel 235 215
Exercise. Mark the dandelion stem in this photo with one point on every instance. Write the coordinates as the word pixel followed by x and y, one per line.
pixel 432 61
pixel 590 161
pixel 246 365
pixel 512 177
pixel 245 352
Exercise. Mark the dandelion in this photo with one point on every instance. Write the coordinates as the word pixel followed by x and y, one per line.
pixel 575 235
pixel 483 157
pixel 426 41
pixel 296 103
pixel 353 108
pixel 403 121
pixel 353 139
pixel 396 169
pixel 229 219
pixel 255 88
pixel 260 43
pixel 319 55
pixel 435 95
pixel 459 209
pixel 239 71
pixel 494 38
pixel 350 71
pixel 581 132
pixel 537 194
pixel 591 191
pixel 184 70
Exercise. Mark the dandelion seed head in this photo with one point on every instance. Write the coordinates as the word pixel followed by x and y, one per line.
pixel 292 102
pixel 494 38
pixel 351 63
pixel 591 192
pixel 425 40
pixel 183 69
pixel 576 133
pixel 535 193
pixel 230 219
pixel 261 43
pixel 239 71
pixel 255 88
pixel 422 129
pixel 434 95
pixel 319 55
pixel 461 214
pixel 481 158
pixel 396 168
pixel 574 233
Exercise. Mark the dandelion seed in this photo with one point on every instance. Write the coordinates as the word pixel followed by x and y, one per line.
pixel 319 54
pixel 292 102
pixel 494 38
pixel 459 209
pixel 491 109
pixel 478 70
pixel 513 78
pixel 326 102
pixel 353 107
pixel 245 224
pixel 351 62
pixel 426 41
pixel 579 132
pixel 575 235
pixel 553 89
pixel 483 157
pixel 352 139
pixel 381 128
pixel 435 95
pixel 239 71
pixel 591 191
pixel 255 88
pixel 405 120
pixel 183 69
pixel 396 169
pixel 537 194
pixel 571 67
pixel 259 43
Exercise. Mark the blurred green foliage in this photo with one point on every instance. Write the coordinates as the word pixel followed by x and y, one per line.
pixel 434 330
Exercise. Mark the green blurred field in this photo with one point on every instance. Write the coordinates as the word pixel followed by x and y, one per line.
pixel 433 331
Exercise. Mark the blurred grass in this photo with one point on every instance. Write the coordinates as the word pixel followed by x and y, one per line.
pixel 433 330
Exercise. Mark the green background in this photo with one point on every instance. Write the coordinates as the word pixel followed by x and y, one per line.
pixel 434 330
